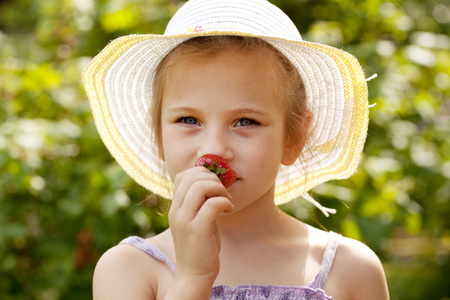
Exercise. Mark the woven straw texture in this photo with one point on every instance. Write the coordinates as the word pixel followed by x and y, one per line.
pixel 119 79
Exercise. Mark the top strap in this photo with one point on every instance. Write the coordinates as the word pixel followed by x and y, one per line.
pixel 149 248
pixel 327 261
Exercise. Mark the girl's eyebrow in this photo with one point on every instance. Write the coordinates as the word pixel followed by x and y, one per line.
pixel 237 111
pixel 183 109
pixel 244 111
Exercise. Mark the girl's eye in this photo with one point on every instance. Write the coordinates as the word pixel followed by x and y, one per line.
pixel 246 122
pixel 188 120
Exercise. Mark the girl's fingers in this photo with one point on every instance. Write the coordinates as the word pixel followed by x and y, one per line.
pixel 192 189
pixel 184 180
pixel 200 192
pixel 211 208
pixel 198 195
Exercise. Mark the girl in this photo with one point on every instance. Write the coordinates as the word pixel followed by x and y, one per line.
pixel 233 80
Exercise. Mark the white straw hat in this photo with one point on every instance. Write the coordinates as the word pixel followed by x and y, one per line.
pixel 119 80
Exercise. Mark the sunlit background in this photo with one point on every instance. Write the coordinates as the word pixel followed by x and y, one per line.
pixel 64 201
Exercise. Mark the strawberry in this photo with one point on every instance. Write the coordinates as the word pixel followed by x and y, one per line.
pixel 218 166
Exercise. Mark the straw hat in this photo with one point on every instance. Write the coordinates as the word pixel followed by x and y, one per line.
pixel 119 79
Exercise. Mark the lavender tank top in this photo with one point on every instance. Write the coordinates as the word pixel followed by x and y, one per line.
pixel 313 291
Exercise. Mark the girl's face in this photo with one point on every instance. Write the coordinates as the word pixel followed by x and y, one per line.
pixel 225 106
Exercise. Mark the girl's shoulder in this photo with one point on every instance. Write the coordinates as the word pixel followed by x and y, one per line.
pixel 357 271
pixel 127 272
pixel 349 253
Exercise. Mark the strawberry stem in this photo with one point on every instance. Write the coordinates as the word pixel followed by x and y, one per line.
pixel 213 167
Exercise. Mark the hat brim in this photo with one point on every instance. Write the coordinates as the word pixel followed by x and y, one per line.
pixel 119 80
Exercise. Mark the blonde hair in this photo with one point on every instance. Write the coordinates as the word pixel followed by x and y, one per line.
pixel 287 83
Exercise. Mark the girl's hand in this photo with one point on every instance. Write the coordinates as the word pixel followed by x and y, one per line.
pixel 199 196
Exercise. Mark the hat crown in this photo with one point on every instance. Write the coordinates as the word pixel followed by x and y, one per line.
pixel 257 17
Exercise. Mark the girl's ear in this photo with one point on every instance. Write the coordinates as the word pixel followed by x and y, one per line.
pixel 295 143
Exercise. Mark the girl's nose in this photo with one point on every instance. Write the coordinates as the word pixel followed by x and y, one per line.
pixel 217 143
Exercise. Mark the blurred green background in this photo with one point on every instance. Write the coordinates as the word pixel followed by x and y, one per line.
pixel 64 201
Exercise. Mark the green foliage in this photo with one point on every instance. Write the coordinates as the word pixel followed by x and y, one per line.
pixel 64 201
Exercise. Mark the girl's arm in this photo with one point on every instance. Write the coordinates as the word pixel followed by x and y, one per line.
pixel 374 285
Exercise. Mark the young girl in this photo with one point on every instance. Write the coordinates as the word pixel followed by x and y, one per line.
pixel 232 80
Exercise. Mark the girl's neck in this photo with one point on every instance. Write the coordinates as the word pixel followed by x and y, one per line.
pixel 260 221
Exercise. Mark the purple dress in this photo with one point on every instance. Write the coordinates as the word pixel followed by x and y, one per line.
pixel 313 291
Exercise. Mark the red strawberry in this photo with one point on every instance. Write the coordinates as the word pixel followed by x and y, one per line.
pixel 218 166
